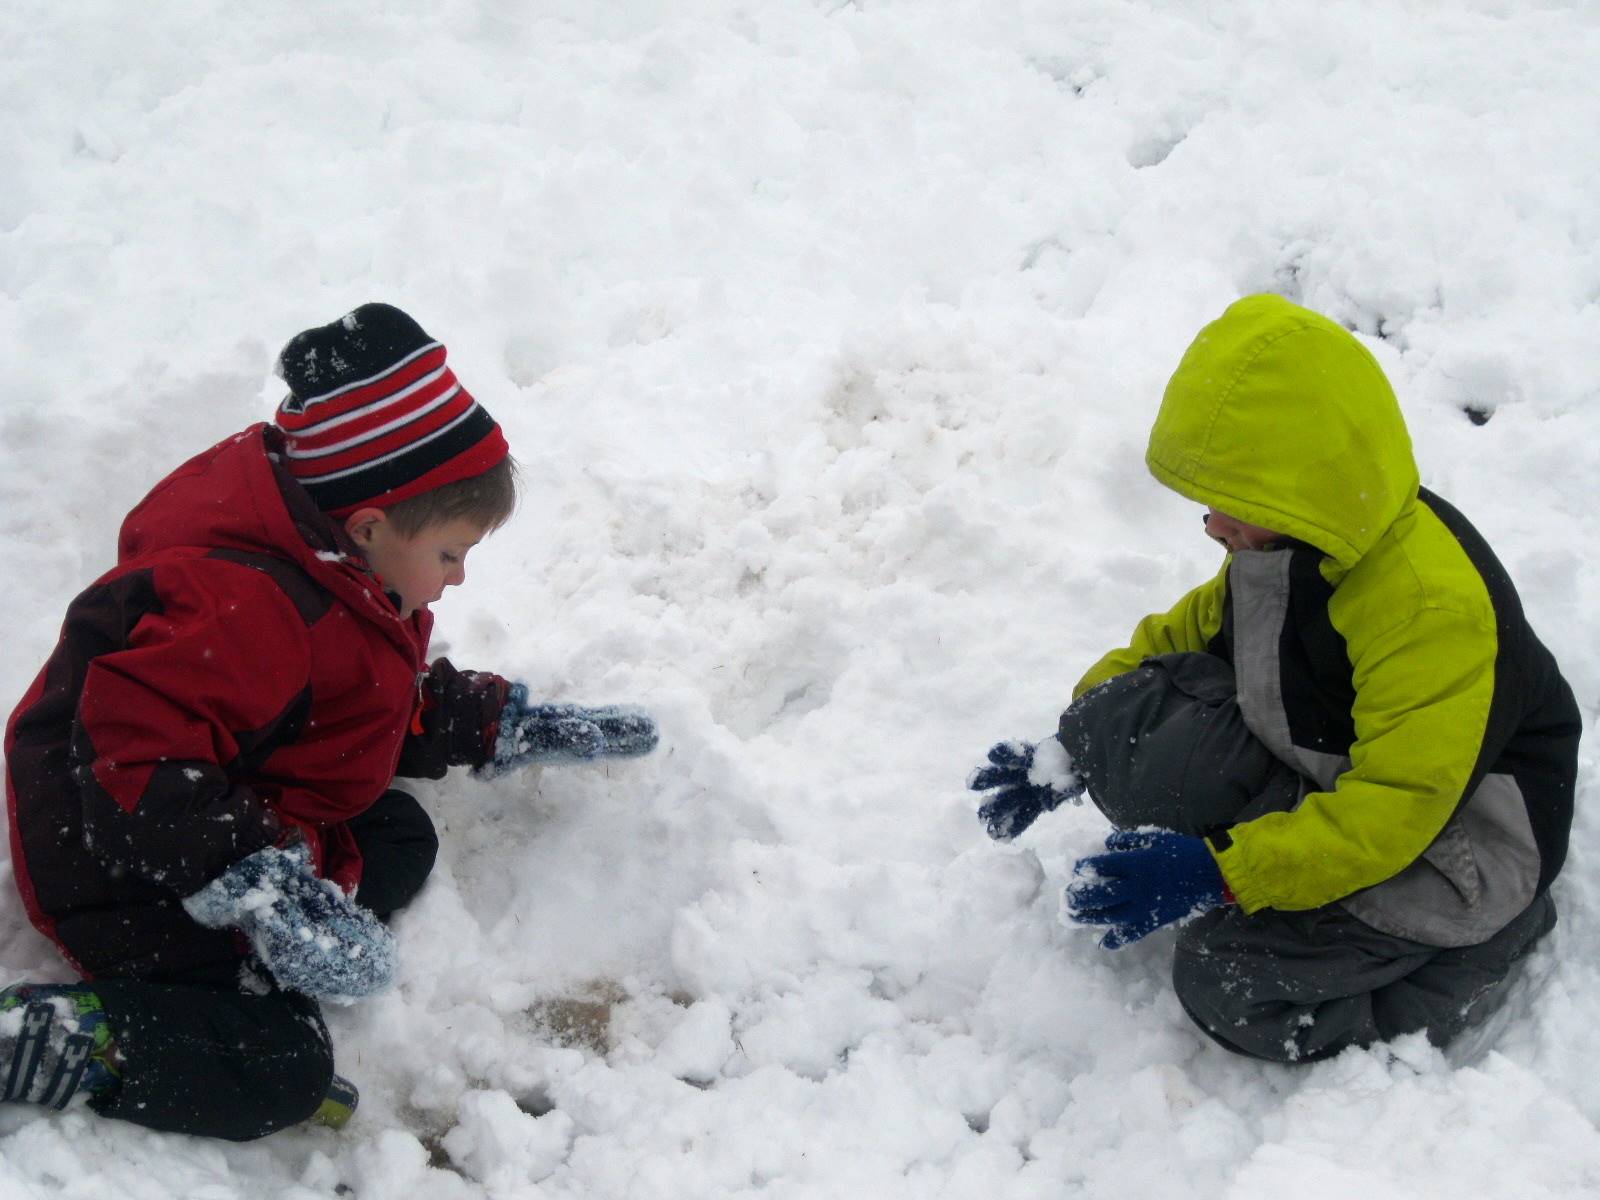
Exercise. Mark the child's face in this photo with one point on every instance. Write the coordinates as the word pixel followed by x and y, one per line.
pixel 418 567
pixel 1235 534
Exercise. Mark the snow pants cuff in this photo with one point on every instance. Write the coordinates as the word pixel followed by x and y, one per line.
pixel 215 1062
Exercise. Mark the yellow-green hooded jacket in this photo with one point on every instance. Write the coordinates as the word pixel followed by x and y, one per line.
pixel 1382 652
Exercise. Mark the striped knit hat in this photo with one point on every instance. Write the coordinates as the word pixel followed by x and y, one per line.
pixel 373 415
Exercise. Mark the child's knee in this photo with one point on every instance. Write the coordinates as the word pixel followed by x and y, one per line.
pixel 215 1063
pixel 1103 731
pixel 413 832
pixel 1222 1010
pixel 293 1084
pixel 1218 994
pixel 291 1081
pixel 1284 987
pixel 399 845
pixel 1167 745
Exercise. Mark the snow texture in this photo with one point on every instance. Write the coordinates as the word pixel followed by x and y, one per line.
pixel 306 932
pixel 828 336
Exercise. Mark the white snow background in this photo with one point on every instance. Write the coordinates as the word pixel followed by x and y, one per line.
pixel 828 335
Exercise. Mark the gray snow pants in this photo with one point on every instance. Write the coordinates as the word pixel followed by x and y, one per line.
pixel 1167 745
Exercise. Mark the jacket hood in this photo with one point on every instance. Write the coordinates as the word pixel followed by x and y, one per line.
pixel 1280 417
pixel 236 496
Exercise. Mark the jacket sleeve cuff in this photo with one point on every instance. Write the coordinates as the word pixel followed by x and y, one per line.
pixel 456 720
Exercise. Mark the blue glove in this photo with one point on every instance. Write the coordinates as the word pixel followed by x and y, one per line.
pixel 547 733
pixel 1021 792
pixel 1149 879
pixel 310 935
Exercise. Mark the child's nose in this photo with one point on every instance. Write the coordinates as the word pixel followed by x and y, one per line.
pixel 1217 525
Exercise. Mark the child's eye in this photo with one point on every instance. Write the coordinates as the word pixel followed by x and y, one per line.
pixel 449 559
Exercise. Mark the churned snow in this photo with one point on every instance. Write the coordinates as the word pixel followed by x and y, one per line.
pixel 828 335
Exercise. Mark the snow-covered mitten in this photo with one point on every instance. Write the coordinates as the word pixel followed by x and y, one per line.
pixel 1148 878
pixel 1025 780
pixel 550 733
pixel 309 934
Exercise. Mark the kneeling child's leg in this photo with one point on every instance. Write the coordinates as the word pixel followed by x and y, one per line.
pixel 1462 987
pixel 1167 745
pixel 213 1061
pixel 1289 987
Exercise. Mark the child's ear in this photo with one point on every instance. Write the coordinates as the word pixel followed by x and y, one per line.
pixel 363 525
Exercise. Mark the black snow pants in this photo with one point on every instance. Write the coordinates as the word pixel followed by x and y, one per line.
pixel 202 1054
pixel 1167 745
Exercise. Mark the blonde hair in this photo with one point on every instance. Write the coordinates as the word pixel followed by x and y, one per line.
pixel 487 500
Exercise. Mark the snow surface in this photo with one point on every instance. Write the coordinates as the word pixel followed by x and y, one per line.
pixel 829 335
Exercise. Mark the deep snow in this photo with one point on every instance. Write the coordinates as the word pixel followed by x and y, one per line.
pixel 828 335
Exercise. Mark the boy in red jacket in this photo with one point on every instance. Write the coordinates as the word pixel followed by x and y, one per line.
pixel 198 779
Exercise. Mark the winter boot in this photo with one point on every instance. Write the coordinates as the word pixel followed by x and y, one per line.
pixel 54 1044
pixel 339 1105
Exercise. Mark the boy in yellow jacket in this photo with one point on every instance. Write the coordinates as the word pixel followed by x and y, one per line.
pixel 1346 756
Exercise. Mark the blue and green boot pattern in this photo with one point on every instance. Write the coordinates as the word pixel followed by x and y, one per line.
pixel 54 1043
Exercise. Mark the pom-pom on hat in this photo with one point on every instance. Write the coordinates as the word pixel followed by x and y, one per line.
pixel 374 416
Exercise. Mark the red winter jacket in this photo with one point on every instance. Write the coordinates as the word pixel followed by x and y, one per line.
pixel 239 672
